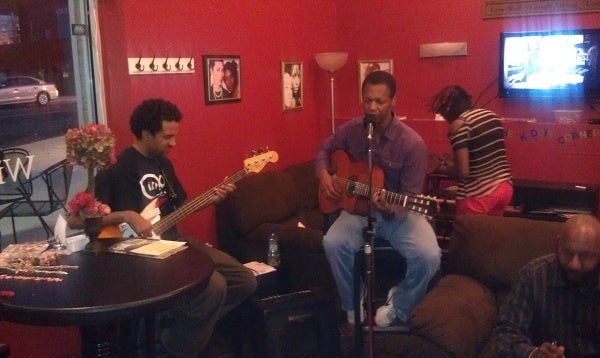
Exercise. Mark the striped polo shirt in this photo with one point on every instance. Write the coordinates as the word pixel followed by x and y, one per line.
pixel 482 134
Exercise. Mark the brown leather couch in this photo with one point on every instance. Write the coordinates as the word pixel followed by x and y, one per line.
pixel 456 317
pixel 279 199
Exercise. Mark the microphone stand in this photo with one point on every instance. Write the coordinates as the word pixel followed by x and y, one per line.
pixel 369 236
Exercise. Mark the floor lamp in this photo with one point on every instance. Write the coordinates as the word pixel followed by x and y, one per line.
pixel 331 62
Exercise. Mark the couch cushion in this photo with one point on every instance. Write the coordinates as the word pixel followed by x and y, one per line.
pixel 260 198
pixel 492 249
pixel 458 313
pixel 304 176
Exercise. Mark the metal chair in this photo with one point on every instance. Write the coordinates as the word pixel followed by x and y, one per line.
pixel 55 182
pixel 13 165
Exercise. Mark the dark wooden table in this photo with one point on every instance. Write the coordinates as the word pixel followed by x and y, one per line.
pixel 105 289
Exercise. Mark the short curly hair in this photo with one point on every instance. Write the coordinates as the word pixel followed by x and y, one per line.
pixel 380 78
pixel 451 102
pixel 150 114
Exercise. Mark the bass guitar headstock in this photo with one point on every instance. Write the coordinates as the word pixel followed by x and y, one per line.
pixel 259 159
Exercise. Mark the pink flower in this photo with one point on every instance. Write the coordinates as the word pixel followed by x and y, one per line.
pixel 86 206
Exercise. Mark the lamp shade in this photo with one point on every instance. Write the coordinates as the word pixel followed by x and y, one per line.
pixel 331 61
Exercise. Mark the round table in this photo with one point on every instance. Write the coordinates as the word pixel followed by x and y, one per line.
pixel 106 288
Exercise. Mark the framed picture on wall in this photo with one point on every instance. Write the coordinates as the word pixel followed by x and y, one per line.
pixel 222 78
pixel 291 85
pixel 367 66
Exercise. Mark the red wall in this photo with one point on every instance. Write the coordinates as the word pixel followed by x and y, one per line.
pixel 395 29
pixel 216 138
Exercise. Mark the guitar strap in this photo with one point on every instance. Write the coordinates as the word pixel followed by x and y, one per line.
pixel 170 191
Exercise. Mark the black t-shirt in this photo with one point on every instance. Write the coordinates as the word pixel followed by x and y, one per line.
pixel 135 180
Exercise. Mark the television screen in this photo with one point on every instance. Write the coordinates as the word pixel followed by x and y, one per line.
pixel 549 64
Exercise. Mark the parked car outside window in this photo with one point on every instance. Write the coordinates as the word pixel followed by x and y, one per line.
pixel 25 89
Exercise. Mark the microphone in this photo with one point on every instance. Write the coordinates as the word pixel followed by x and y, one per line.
pixel 369 118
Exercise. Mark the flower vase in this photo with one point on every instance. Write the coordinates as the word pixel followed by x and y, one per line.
pixel 91 181
pixel 93 228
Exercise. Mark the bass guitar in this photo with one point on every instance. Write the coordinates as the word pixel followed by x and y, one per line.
pixel 152 211
pixel 350 176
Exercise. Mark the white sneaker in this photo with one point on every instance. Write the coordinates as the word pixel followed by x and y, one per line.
pixel 386 314
pixel 350 314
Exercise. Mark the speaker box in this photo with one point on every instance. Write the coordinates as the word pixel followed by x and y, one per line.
pixel 299 324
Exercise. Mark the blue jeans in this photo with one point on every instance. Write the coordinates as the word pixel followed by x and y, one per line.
pixel 412 236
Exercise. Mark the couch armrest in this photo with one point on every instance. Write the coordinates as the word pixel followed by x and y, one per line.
pixel 458 314
pixel 492 249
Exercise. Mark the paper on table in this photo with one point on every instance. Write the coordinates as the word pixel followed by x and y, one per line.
pixel 158 248
pixel 259 268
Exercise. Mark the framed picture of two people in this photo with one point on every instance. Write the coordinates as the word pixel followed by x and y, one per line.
pixel 222 78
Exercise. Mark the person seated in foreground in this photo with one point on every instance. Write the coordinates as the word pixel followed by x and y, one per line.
pixel 142 173
pixel 553 309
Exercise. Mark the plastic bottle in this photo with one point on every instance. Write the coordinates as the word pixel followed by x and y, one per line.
pixel 273 258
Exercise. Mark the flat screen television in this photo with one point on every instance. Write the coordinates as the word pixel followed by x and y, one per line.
pixel 550 64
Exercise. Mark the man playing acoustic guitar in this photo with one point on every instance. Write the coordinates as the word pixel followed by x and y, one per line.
pixel 401 154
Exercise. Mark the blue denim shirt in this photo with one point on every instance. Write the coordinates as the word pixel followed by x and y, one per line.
pixel 400 152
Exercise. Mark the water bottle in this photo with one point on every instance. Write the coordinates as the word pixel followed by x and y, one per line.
pixel 273 258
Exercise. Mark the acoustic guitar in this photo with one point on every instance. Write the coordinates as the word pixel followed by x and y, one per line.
pixel 351 176
pixel 152 211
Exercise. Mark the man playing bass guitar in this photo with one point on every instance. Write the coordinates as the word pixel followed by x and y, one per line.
pixel 402 155
pixel 143 173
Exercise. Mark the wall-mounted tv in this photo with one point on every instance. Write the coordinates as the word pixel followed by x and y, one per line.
pixel 549 64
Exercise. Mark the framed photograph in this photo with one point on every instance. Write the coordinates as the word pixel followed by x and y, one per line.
pixel 367 66
pixel 222 79
pixel 291 85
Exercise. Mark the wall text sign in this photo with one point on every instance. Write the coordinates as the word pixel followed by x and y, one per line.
pixel 507 8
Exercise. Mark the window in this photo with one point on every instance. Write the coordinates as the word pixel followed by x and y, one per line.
pixel 54 42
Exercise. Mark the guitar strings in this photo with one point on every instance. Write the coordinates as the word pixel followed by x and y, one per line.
pixel 196 204
pixel 391 197
pixel 364 190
